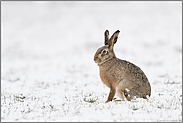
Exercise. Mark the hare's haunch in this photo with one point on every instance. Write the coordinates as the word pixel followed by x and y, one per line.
pixel 122 77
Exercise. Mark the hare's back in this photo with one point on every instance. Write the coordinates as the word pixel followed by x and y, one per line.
pixel 132 73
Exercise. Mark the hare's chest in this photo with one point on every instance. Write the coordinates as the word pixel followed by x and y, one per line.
pixel 105 79
pixel 108 77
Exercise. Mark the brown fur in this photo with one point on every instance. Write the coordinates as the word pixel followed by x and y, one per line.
pixel 121 76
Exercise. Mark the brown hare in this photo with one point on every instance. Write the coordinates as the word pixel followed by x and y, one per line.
pixel 122 77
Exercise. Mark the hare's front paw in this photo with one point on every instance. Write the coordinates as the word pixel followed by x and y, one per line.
pixel 107 101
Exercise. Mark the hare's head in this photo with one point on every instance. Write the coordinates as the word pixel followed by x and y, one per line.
pixel 106 52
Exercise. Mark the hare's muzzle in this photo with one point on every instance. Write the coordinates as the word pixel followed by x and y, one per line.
pixel 97 60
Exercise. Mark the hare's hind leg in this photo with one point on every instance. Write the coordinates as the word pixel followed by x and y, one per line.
pixel 127 95
pixel 134 93
pixel 120 93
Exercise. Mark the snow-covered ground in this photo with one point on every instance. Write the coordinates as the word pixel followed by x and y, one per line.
pixel 47 67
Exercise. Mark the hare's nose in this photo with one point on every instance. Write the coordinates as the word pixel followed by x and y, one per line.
pixel 95 59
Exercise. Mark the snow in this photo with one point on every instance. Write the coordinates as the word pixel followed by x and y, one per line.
pixel 48 71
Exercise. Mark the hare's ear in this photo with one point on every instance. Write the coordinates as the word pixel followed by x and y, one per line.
pixel 106 34
pixel 113 39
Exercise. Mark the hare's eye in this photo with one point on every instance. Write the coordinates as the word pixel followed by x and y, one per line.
pixel 104 52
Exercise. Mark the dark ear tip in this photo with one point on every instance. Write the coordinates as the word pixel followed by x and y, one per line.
pixel 106 32
pixel 117 31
